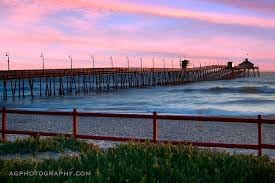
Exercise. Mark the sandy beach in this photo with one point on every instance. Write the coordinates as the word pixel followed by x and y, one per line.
pixel 142 128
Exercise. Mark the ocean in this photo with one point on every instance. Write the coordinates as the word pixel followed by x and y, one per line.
pixel 238 97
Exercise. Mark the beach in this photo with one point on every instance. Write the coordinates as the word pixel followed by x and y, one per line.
pixel 142 128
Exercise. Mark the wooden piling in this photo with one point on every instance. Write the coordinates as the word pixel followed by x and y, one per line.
pixel 75 124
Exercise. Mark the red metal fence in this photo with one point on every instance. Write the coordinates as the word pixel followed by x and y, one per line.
pixel 259 121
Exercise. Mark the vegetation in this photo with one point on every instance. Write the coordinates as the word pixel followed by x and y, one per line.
pixel 134 162
pixel 37 144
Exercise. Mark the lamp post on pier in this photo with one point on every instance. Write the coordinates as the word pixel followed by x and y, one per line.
pixel 8 57
pixel 128 62
pixel 43 61
pixel 71 59
pixel 172 62
pixel 153 61
pixel 163 60
pixel 140 63
pixel 93 59
pixel 112 62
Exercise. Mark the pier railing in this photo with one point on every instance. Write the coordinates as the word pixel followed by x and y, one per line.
pixel 154 117
pixel 15 74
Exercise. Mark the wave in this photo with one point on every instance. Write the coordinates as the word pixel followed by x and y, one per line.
pixel 170 111
pixel 249 101
pixel 218 90
pixel 212 111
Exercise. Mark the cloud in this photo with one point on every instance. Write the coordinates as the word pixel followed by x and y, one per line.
pixel 263 6
pixel 26 39
pixel 33 10
pixel 27 46
pixel 161 11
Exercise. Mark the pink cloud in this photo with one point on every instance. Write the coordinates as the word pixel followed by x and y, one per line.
pixel 32 11
pixel 161 11
pixel 22 13
pixel 263 6
pixel 26 43
pixel 26 47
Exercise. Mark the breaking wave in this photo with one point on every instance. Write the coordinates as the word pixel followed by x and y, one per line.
pixel 243 89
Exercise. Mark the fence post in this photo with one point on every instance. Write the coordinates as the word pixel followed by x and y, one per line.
pixel 4 123
pixel 259 135
pixel 155 127
pixel 75 128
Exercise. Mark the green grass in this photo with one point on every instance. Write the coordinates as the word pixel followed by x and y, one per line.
pixel 134 162
pixel 34 145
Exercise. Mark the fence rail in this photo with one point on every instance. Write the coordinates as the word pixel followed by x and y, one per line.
pixel 155 117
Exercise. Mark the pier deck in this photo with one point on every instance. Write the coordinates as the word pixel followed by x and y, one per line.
pixel 52 82
pixel 25 74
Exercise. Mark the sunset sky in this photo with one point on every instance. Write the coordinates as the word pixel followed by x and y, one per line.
pixel 203 31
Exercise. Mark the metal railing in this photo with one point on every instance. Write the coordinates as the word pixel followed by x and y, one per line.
pixel 155 117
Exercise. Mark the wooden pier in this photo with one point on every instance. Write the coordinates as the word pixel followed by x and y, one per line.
pixel 60 82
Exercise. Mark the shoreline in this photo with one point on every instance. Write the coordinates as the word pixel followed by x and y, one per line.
pixel 252 116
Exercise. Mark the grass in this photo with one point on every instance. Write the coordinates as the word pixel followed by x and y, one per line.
pixel 134 162
pixel 37 144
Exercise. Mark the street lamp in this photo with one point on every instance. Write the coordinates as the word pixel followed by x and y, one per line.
pixel 112 62
pixel 140 63
pixel 70 57
pixel 93 62
pixel 172 62
pixel 8 57
pixel 153 60
pixel 128 64
pixel 163 60
pixel 43 61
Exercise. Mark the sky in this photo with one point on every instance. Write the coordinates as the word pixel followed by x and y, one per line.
pixel 203 31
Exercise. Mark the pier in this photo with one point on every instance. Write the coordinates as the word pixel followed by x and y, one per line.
pixel 60 82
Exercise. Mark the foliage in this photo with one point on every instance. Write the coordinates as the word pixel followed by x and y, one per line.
pixel 37 144
pixel 142 162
